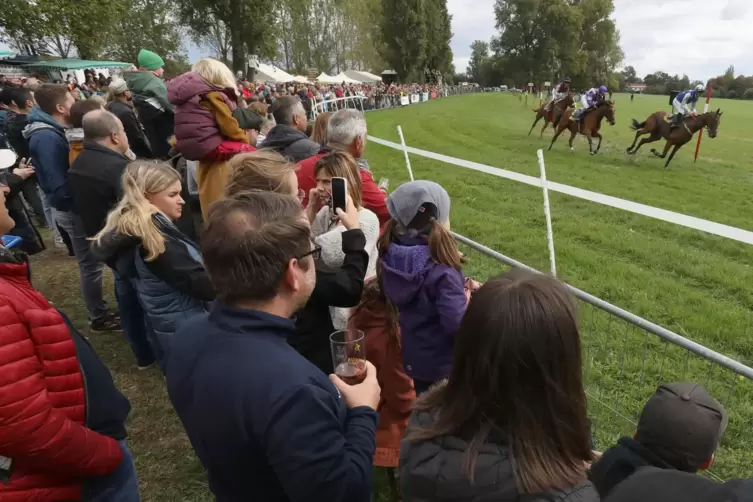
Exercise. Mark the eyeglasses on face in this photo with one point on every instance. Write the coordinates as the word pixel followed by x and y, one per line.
pixel 316 253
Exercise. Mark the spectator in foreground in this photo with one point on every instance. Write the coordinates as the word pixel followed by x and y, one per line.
pixel 150 100
pixel 511 421
pixel 49 153
pixel 327 234
pixel 75 133
pixel 680 428
pixel 59 438
pixel 346 132
pixel 421 274
pixel 121 105
pixel 279 429
pixel 265 170
pixel 289 137
pixel 662 485
pixel 205 128
pixel 141 242
pixel 379 322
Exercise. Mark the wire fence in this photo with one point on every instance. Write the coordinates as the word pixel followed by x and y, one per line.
pixel 626 357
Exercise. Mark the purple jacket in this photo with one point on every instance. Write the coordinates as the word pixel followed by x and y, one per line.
pixel 196 132
pixel 431 301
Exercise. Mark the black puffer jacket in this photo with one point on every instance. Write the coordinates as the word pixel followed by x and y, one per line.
pixel 432 471
pixel 291 143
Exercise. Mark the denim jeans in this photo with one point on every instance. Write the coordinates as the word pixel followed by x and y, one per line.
pixel 90 270
pixel 122 485
pixel 47 208
pixel 134 323
pixel 30 192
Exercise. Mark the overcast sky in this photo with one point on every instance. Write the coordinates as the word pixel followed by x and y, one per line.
pixel 698 37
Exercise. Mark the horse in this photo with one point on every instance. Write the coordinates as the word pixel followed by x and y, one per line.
pixel 589 126
pixel 658 127
pixel 554 115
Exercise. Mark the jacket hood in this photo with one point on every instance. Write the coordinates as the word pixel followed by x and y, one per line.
pixel 138 80
pixel 39 120
pixel 116 250
pixel 404 270
pixel 182 89
pixel 281 136
pixel 75 134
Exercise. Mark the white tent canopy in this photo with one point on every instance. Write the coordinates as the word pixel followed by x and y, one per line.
pixel 300 79
pixel 323 78
pixel 342 77
pixel 363 76
pixel 269 73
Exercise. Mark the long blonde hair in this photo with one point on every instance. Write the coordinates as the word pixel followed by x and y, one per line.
pixel 215 72
pixel 264 170
pixel 132 216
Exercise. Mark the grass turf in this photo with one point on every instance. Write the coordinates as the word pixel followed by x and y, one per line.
pixel 695 284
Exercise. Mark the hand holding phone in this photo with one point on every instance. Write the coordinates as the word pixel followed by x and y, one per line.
pixel 339 194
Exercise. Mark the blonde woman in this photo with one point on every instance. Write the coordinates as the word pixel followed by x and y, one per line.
pixel 141 242
pixel 320 128
pixel 326 232
pixel 206 129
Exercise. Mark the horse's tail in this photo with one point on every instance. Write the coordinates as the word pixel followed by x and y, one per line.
pixel 637 125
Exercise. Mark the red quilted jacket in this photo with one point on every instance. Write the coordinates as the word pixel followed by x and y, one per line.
pixel 42 399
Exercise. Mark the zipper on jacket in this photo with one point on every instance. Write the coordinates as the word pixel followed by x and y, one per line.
pixel 86 393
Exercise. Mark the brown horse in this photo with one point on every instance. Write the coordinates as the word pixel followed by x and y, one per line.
pixel 589 126
pixel 554 115
pixel 657 126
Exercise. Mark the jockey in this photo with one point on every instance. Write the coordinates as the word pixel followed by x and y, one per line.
pixel 591 99
pixel 559 92
pixel 684 104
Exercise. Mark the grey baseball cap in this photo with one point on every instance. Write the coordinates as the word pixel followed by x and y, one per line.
pixel 682 424
pixel 416 198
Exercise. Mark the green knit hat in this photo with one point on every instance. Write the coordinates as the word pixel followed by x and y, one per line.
pixel 149 60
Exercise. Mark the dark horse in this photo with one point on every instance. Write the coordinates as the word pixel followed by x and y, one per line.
pixel 589 126
pixel 658 127
pixel 554 115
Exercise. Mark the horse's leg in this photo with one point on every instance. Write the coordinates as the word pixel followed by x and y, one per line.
pixel 556 135
pixel 538 117
pixel 588 134
pixel 638 134
pixel 573 134
pixel 546 124
pixel 671 156
pixel 650 139
pixel 666 150
pixel 597 134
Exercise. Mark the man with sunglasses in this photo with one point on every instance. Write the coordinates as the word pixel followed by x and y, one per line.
pixel 266 423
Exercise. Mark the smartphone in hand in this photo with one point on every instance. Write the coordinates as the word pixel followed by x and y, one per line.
pixel 339 194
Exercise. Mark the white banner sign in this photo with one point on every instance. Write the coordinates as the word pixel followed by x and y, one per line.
pixel 404 100
pixel 414 98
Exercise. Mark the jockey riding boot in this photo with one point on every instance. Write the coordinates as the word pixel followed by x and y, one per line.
pixel 675 121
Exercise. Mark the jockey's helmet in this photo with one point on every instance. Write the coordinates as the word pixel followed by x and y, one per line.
pixel 603 89
pixel 567 80
pixel 700 88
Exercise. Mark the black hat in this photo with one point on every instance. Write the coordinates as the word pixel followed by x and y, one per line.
pixel 651 484
pixel 682 424
pixel 567 79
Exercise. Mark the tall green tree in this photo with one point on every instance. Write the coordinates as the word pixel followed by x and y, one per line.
pixel 438 56
pixel 404 33
pixel 479 54
pixel 250 25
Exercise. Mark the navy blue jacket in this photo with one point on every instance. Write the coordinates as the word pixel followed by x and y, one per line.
pixel 266 424
pixel 49 155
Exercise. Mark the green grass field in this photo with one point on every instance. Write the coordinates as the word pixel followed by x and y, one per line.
pixel 693 283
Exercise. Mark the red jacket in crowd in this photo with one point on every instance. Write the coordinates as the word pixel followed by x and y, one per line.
pixel 43 402
pixel 373 198
pixel 398 396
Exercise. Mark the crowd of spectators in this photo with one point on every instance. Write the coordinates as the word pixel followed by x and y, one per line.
pixel 212 205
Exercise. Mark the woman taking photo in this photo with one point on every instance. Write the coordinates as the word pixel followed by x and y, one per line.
pixel 326 231
pixel 510 423
pixel 140 241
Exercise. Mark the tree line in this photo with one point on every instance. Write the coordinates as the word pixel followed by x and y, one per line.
pixel 728 85
pixel 301 36
pixel 542 41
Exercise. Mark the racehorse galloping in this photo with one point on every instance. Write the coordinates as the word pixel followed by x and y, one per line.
pixel 554 115
pixel 657 126
pixel 589 126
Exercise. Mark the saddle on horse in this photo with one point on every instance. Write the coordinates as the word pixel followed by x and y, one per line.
pixel 675 120
pixel 580 113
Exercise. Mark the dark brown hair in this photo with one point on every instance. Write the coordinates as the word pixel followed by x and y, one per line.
pixel 48 96
pixel 248 242
pixel 81 108
pixel 517 371
pixel 264 170
pixel 340 164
